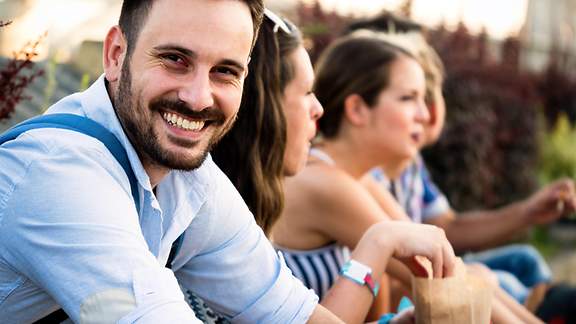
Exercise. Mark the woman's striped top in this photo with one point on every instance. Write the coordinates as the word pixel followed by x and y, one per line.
pixel 318 268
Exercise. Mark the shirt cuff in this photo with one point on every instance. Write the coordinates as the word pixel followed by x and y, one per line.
pixel 287 301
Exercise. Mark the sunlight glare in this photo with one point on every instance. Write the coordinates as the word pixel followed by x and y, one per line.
pixel 501 18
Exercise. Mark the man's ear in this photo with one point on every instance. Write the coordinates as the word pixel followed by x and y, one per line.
pixel 115 48
pixel 356 110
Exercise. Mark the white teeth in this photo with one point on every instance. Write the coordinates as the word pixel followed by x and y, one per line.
pixel 187 124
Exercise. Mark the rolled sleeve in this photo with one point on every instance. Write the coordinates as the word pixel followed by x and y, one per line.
pixel 237 272
pixel 297 303
pixel 156 299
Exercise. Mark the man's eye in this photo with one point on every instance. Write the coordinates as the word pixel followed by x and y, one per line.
pixel 227 71
pixel 174 60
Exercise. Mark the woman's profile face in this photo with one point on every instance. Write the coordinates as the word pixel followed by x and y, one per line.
pixel 399 114
pixel 302 110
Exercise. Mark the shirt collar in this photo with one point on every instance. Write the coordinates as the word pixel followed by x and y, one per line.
pixel 97 106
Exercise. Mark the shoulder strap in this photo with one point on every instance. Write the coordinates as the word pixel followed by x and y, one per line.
pixel 82 125
pixel 89 127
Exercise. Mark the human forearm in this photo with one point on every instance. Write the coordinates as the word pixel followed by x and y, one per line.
pixel 321 315
pixel 502 315
pixel 404 241
pixel 481 229
pixel 519 310
pixel 349 300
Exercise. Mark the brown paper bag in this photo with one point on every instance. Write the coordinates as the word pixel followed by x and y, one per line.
pixel 461 299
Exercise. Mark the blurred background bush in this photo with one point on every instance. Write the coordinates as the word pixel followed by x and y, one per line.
pixel 508 129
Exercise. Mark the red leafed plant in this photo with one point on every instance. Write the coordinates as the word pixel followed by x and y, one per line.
pixel 17 74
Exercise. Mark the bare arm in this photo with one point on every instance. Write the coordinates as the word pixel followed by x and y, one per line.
pixel 321 315
pixel 346 298
pixel 481 229
pixel 345 212
pixel 505 309
pixel 467 231
pixel 394 211
pixel 519 311
pixel 381 241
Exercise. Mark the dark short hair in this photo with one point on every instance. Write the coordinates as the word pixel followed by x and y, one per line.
pixel 135 12
pixel 252 152
pixel 352 65
pixel 385 22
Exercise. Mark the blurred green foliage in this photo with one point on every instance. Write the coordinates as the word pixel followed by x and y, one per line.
pixel 487 154
pixel 314 29
pixel 85 82
pixel 51 82
pixel 541 240
pixel 557 159
pixel 557 152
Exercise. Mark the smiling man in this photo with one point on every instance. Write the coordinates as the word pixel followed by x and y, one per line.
pixel 75 234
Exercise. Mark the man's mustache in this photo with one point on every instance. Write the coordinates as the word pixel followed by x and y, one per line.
pixel 213 115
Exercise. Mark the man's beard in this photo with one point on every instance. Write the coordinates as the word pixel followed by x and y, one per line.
pixel 138 125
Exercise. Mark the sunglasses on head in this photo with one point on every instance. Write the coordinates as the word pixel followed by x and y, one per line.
pixel 279 23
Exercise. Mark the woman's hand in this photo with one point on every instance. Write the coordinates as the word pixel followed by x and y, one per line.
pixel 408 241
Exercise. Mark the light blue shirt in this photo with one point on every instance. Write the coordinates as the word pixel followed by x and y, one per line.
pixel 70 235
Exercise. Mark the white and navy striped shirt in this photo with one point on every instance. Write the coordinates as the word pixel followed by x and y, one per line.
pixel 415 191
pixel 318 268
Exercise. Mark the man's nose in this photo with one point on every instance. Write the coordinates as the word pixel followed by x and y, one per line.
pixel 197 91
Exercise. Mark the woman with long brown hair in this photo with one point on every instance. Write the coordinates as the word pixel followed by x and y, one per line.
pixel 271 140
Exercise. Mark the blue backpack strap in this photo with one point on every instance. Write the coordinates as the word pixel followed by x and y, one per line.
pixel 89 127
pixel 82 125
